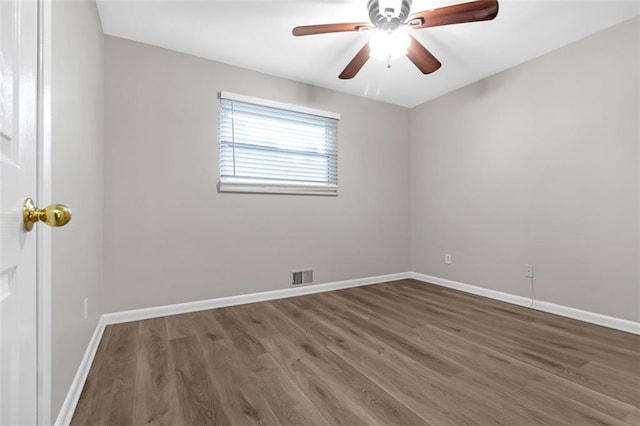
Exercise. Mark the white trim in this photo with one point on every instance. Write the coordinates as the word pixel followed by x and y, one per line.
pixel 73 396
pixel 70 402
pixel 233 185
pixel 565 311
pixel 43 233
pixel 221 302
pixel 275 104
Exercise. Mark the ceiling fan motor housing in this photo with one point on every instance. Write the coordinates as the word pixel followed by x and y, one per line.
pixel 389 19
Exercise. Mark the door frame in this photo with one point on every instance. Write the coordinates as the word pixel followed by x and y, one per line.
pixel 43 233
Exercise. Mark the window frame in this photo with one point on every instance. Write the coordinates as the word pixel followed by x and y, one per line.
pixel 257 185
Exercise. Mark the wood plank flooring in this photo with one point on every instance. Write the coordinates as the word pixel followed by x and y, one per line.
pixel 396 353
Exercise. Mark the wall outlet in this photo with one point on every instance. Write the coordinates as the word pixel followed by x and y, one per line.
pixel 86 308
pixel 528 271
pixel 447 258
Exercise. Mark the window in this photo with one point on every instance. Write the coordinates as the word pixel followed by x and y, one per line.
pixel 268 146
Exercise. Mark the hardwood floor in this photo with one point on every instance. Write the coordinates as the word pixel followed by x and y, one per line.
pixel 396 353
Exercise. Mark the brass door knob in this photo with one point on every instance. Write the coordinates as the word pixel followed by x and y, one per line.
pixel 52 215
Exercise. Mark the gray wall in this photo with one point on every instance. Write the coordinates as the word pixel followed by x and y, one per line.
pixel 77 92
pixel 171 237
pixel 537 164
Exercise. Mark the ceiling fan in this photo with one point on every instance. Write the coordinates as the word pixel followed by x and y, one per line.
pixel 390 38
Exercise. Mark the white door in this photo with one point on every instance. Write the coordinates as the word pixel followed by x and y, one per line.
pixel 18 141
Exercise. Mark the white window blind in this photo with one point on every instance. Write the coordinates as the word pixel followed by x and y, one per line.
pixel 267 146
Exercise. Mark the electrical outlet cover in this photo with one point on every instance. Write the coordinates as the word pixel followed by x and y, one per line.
pixel 528 271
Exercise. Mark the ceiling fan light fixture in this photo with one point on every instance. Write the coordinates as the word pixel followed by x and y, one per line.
pixel 386 46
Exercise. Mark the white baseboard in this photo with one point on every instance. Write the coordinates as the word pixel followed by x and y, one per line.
pixel 221 302
pixel 586 316
pixel 73 396
pixel 69 405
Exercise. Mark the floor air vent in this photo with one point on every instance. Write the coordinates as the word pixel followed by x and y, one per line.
pixel 302 277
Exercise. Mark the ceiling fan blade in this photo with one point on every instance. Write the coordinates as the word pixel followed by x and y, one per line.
pixel 422 58
pixel 480 10
pixel 356 63
pixel 331 28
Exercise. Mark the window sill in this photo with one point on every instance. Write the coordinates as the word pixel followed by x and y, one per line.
pixel 271 188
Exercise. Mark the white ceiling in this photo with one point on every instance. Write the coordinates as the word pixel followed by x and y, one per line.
pixel 257 35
